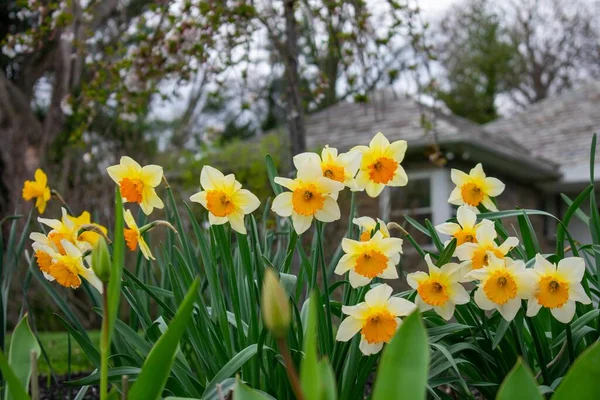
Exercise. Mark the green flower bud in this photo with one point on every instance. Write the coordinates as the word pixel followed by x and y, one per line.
pixel 275 305
pixel 101 260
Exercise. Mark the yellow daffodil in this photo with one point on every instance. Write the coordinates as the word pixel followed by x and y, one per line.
pixel 312 195
pixel 375 258
pixel 224 199
pixel 83 220
pixel 377 319
pixel 475 188
pixel 63 229
pixel 137 183
pixel 367 226
pixel 380 165
pixel 502 285
pixel 133 236
pixel 439 289
pixel 475 254
pixel 66 268
pixel 558 287
pixel 465 231
pixel 340 167
pixel 37 189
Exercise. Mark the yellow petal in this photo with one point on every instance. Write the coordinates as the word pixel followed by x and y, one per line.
pixel 282 205
pixel 40 177
pixel 246 200
pixel 152 175
pixel 211 178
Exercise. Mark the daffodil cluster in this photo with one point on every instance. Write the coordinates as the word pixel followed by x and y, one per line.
pixel 481 258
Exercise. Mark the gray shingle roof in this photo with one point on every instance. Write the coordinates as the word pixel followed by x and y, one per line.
pixel 346 124
pixel 558 128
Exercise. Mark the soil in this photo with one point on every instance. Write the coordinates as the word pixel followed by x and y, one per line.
pixel 50 390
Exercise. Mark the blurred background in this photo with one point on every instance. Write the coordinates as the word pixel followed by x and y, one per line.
pixel 184 83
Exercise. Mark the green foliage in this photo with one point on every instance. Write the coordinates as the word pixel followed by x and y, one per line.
pixel 582 380
pixel 403 367
pixel 157 367
pixel 22 344
pixel 479 58
pixel 519 384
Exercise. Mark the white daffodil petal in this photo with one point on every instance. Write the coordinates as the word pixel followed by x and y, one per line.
pixel 349 327
pixel 399 306
pixel 565 313
pixel 378 295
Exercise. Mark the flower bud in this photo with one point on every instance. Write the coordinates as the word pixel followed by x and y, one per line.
pixel 275 305
pixel 101 260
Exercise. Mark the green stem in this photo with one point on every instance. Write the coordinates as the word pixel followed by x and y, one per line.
pixel 538 350
pixel 325 289
pixel 351 216
pixel 570 346
pixel 104 346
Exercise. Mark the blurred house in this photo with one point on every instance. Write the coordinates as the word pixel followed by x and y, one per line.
pixel 539 153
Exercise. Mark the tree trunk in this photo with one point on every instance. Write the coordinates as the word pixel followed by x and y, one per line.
pixel 295 108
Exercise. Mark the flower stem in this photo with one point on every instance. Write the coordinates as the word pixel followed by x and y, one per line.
pixel 538 350
pixel 104 346
pixel 290 369
pixel 570 344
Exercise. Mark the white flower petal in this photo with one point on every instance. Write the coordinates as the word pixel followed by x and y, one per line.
pixel 482 301
pixel 399 306
pixel 445 311
pixel 357 280
pixel 378 295
pixel 533 307
pixel 211 178
pixel 330 211
pixel 573 268
pixel 345 264
pixel 301 223
pixel 565 313
pixel 510 309
pixel 236 220
pixel 349 327
pixel 466 217
pixel 368 349
pixel 282 204
pixel 494 187
pixel 448 228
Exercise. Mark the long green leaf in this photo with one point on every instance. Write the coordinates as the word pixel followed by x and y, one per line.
pixel 231 367
pixel 114 283
pixel 402 372
pixel 16 391
pixel 22 343
pixel 519 384
pixel 157 367
pixel 309 371
pixel 582 381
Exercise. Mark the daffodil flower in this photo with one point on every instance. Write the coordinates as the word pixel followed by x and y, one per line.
pixel 225 199
pixel 367 226
pixel 85 219
pixel 465 231
pixel 375 258
pixel 476 255
pixel 558 287
pixel 340 167
pixel 63 229
pixel 439 289
pixel 376 319
pixel 134 238
pixel 475 188
pixel 138 183
pixel 312 195
pixel 380 165
pixel 37 189
pixel 67 269
pixel 503 285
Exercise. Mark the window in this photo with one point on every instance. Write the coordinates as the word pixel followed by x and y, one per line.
pixel 425 197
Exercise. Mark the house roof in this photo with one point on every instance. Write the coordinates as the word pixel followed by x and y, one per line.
pixel 558 129
pixel 346 124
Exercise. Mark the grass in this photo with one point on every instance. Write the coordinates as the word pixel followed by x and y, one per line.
pixel 56 345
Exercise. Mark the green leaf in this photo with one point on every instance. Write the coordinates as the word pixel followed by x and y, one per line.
pixel 328 387
pixel 114 375
pixel 402 372
pixel 519 384
pixel 582 381
pixel 447 253
pixel 231 367
pixel 243 392
pixel 15 390
pixel 22 343
pixel 309 371
pixel 114 283
pixel 157 367
pixel 272 172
